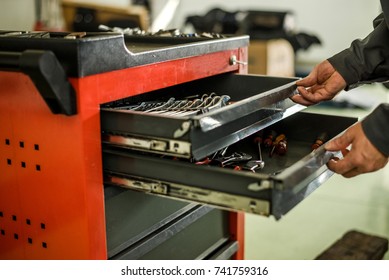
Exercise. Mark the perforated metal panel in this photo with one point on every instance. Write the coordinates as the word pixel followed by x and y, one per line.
pixel 50 185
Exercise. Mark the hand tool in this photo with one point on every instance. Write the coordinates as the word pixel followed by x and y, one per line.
pixel 253 165
pixel 209 160
pixel 162 105
pixel 279 145
pixel 234 158
pixel 258 140
pixel 282 147
pixel 268 141
pixel 321 138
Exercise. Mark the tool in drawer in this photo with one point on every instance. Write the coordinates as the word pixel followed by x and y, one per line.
pixel 321 138
pixel 234 158
pixel 253 165
pixel 276 144
pixel 182 108
pixel 279 145
pixel 270 137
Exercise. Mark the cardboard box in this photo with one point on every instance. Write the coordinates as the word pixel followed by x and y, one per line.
pixel 271 57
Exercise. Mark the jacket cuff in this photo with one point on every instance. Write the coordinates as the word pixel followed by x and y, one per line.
pixel 375 127
pixel 344 63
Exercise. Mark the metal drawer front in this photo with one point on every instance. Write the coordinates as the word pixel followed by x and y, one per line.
pixel 179 239
pixel 254 102
pixel 132 215
pixel 278 187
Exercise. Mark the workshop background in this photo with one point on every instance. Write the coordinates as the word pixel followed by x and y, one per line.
pixel 340 205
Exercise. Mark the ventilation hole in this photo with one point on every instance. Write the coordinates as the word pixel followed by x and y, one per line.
pixel 1 214
pixel 28 222
pixel 36 147
pixel 21 144
pixel 14 218
pixel 23 164
pixel 43 226
pixel 2 232
pixel 44 245
pixel 16 236
pixel 7 142
pixel 9 161
pixel 29 240
pixel 38 167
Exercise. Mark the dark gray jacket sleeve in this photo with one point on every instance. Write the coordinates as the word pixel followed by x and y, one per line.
pixel 367 61
pixel 376 128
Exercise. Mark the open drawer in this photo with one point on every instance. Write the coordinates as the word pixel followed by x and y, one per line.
pixel 282 183
pixel 242 105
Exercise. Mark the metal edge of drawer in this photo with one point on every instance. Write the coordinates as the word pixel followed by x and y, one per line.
pixel 216 247
pixel 198 241
pixel 272 98
pixel 123 211
pixel 219 187
pixel 155 239
pixel 226 252
pixel 295 183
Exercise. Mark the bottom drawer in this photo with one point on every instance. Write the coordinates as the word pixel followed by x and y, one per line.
pixel 130 216
pixel 284 181
pixel 186 237
pixel 197 241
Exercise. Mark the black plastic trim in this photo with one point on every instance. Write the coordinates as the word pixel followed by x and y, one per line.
pixel 48 76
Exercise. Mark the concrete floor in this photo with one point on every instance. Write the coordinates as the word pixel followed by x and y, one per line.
pixel 338 206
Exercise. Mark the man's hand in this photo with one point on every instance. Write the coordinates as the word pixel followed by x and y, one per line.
pixel 323 83
pixel 362 158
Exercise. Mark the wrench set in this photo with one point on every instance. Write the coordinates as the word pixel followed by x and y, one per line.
pixel 190 106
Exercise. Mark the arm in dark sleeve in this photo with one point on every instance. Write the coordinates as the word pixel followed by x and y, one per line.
pixel 366 60
pixel 376 128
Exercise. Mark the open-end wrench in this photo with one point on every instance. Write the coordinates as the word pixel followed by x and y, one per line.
pixel 236 157
pixel 253 165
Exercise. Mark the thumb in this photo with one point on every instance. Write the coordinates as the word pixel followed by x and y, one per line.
pixel 308 81
pixel 339 143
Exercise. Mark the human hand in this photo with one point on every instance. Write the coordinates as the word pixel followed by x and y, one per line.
pixel 323 83
pixel 363 157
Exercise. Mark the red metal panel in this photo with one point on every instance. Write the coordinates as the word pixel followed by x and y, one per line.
pixel 237 232
pixel 51 191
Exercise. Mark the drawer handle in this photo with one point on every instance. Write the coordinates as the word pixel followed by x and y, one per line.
pixel 48 76
pixel 234 61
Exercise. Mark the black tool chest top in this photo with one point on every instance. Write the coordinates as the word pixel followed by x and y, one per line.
pixel 106 51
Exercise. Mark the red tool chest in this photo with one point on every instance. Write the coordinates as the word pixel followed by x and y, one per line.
pixel 51 184
pixel 61 185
